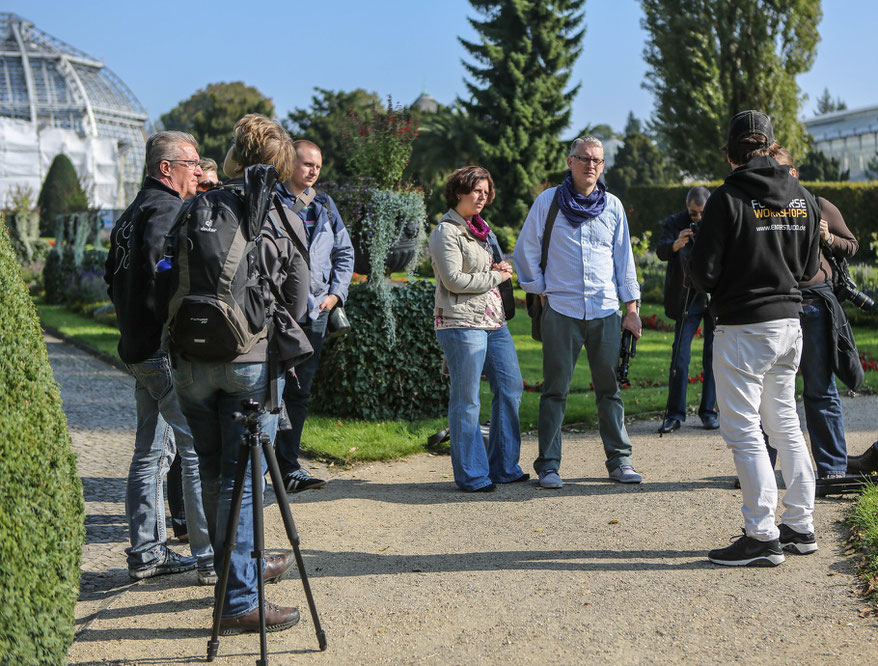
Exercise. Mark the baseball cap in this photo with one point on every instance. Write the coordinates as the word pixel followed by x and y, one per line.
pixel 750 122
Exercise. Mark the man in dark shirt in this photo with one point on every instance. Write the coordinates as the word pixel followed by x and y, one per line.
pixel 758 240
pixel 687 308
pixel 135 248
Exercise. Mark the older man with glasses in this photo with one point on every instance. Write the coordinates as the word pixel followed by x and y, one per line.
pixel 136 242
pixel 688 309
pixel 589 267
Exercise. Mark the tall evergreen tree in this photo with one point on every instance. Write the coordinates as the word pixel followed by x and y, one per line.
pixel 638 162
pixel 825 103
pixel 817 166
pixel 210 115
pixel 709 59
pixel 518 102
pixel 61 193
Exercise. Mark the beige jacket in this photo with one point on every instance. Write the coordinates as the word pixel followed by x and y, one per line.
pixel 462 267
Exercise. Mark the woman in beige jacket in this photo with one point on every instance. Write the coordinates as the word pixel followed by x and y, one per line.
pixel 471 329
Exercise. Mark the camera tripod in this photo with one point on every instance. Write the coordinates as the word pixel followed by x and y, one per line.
pixel 254 442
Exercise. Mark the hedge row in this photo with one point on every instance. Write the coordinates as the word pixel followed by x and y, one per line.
pixel 648 205
pixel 365 375
pixel 41 505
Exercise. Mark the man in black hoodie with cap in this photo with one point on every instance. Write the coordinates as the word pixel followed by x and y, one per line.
pixel 758 239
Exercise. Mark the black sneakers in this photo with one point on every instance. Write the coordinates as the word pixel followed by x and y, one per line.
pixel 171 564
pixel 748 552
pixel 300 480
pixel 796 542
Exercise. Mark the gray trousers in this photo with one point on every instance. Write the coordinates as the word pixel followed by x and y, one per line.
pixel 563 339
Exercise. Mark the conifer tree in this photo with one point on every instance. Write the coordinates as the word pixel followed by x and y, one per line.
pixel 710 59
pixel 61 193
pixel 519 102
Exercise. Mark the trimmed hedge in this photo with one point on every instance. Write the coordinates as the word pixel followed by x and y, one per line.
pixel 648 205
pixel 41 505
pixel 363 376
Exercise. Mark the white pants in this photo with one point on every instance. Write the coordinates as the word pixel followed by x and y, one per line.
pixel 755 370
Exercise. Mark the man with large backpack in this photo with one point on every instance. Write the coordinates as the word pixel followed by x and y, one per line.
pixel 332 266
pixel 135 248
pixel 236 285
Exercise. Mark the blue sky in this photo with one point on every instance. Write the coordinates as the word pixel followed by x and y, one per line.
pixel 165 51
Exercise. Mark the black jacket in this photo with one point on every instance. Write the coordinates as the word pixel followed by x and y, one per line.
pixel 675 292
pixel 759 238
pixel 135 247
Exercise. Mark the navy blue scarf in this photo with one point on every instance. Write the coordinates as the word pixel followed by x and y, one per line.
pixel 577 208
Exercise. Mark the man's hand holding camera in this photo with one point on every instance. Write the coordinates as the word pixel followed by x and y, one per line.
pixel 683 239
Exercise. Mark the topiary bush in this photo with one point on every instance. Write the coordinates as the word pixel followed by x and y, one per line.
pixel 41 505
pixel 363 375
pixel 61 193
pixel 58 274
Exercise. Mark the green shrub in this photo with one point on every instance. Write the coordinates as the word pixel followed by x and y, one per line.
pixel 364 376
pixel 65 282
pixel 648 205
pixel 41 505
pixel 57 275
pixel 61 193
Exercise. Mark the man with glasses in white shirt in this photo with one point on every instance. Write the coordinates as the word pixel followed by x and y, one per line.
pixel 589 269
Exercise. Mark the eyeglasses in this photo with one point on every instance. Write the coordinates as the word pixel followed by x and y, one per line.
pixel 596 161
pixel 695 214
pixel 190 164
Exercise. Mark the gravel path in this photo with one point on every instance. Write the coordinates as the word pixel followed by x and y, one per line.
pixel 405 569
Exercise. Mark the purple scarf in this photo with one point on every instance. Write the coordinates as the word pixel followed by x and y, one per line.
pixel 479 228
pixel 577 208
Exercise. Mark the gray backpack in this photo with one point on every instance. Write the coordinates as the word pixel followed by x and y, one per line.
pixel 220 302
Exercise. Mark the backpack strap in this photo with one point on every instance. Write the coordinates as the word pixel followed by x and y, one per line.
pixel 304 200
pixel 547 231
pixel 277 213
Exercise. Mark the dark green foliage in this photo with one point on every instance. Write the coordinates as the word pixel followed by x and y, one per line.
pixel 825 103
pixel 638 162
pixel 364 376
pixel 211 113
pixel 817 166
pixel 648 205
pixel 324 123
pixel 710 59
pixel 41 506
pixel 517 97
pixel 62 193
pixel 65 282
pixel 57 274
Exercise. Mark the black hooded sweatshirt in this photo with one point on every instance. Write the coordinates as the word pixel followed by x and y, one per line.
pixel 759 238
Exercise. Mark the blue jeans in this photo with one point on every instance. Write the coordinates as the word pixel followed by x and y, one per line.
pixel 210 393
pixel 684 332
pixel 822 404
pixel 563 339
pixel 296 394
pixel 162 433
pixel 469 352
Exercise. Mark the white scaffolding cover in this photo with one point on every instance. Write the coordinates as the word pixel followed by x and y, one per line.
pixel 26 155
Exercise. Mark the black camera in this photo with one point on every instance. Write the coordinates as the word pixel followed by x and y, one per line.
pixel 694 226
pixel 846 289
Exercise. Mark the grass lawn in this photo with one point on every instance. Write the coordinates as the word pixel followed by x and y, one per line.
pixel 863 518
pixel 347 441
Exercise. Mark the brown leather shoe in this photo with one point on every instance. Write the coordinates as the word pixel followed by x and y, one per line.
pixel 277 618
pixel 276 566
